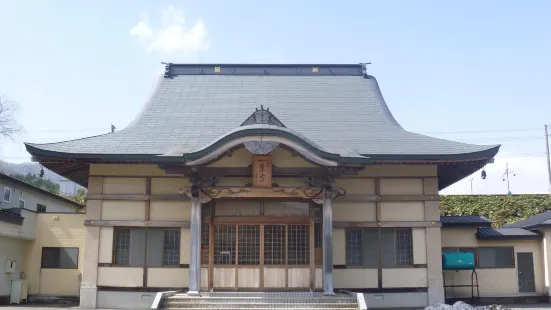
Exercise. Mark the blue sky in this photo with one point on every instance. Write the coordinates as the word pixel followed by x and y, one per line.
pixel 474 71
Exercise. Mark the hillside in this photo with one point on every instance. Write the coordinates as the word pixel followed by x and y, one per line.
pixel 26 168
pixel 501 209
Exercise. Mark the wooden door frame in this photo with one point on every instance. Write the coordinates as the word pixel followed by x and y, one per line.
pixel 258 221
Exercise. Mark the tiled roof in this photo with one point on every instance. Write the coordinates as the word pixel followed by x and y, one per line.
pixel 41 190
pixel 506 233
pixel 533 221
pixel 341 113
pixel 465 221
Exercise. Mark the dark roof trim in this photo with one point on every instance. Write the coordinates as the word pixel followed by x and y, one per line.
pixel 466 225
pixel 481 155
pixel 265 69
pixel 536 226
pixel 426 159
pixel 505 237
pixel 506 234
pixel 275 132
pixel 40 190
pixel 469 221
pixel 8 217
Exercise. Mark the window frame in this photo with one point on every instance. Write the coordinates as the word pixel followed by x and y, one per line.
pixel 163 229
pixel 379 247
pixel 4 196
pixel 513 260
pixel 163 265
pixel 38 209
pixel 19 205
pixel 53 247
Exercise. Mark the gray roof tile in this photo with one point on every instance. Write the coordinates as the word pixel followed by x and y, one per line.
pixel 341 113
pixel 533 221
pixel 506 233
pixel 465 221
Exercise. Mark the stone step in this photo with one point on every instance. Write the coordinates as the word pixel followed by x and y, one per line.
pixel 261 300
pixel 267 308
pixel 280 305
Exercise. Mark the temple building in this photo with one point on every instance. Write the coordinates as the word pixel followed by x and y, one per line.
pixel 267 178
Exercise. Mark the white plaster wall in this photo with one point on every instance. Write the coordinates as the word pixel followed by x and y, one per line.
pixel 10 249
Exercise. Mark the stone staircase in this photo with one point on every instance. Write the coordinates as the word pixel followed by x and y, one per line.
pixel 260 301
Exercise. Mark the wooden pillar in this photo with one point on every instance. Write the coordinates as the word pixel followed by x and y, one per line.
pixel 328 243
pixel 195 247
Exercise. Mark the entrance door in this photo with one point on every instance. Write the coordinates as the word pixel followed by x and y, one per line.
pixel 525 270
pixel 261 256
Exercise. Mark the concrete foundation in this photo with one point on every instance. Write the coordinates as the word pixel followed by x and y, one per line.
pixel 88 297
pixel 125 300
pixel 396 300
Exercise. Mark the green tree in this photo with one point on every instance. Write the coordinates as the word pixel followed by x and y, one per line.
pixel 80 198
pixel 501 209
pixel 37 181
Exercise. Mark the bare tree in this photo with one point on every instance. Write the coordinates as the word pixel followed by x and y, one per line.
pixel 8 125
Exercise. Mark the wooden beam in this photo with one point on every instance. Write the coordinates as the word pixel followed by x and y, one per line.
pixel 385 224
pixel 137 197
pixel 116 223
pixel 277 171
pixel 359 198
pixel 272 192
pixel 261 220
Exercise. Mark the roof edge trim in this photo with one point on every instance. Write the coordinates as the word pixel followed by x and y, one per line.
pixel 290 139
pixel 172 69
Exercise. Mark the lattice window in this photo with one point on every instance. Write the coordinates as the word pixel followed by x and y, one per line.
pixel 122 246
pixel 249 245
pixel 298 245
pixel 396 247
pixel 171 249
pixel 274 245
pixel 404 252
pixel 354 247
pixel 205 234
pixel 224 244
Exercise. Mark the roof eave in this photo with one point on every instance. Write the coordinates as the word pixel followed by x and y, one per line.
pixel 466 225
pixel 42 191
pixel 520 237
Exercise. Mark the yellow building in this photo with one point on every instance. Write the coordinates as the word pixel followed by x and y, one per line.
pixel 269 178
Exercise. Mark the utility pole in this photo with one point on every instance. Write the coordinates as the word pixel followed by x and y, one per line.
pixel 547 157
pixel 506 177
pixel 471 180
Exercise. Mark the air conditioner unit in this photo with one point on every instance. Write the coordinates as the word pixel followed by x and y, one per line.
pixel 18 291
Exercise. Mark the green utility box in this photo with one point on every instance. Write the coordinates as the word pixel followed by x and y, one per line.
pixel 458 261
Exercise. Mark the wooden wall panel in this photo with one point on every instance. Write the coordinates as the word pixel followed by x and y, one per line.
pixel 224 277
pixel 298 277
pixel 124 185
pixel 248 277
pixel 274 277
pixel 170 210
pixel 105 245
pixel 401 186
pixel 123 210
pixel 403 211
pixel 169 186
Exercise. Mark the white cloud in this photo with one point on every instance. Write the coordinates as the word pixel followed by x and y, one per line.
pixel 141 31
pixel 173 37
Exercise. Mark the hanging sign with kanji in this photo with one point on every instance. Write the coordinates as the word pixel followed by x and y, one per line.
pixel 262 171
